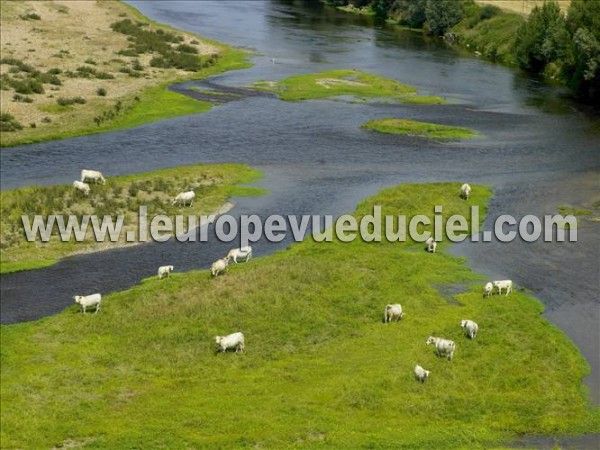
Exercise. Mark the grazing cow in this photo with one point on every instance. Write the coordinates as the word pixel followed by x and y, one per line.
pixel 81 187
pixel 504 284
pixel 392 313
pixel 184 197
pixel 430 245
pixel 244 252
pixel 421 373
pixel 488 289
pixel 230 342
pixel 86 301
pixel 219 267
pixel 471 328
pixel 164 272
pixel 465 191
pixel 443 347
pixel 92 176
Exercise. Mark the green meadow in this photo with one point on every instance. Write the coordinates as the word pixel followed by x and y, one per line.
pixel 345 83
pixel 410 127
pixel 320 368
pixel 213 184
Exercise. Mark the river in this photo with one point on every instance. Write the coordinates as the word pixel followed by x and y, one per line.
pixel 540 151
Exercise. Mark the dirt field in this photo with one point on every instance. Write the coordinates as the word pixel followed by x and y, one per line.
pixel 522 6
pixel 66 36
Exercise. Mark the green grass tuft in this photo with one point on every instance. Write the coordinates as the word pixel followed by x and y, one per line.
pixel 320 367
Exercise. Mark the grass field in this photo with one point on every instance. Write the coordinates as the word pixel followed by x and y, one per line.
pixel 422 129
pixel 320 368
pixel 122 195
pixel 345 83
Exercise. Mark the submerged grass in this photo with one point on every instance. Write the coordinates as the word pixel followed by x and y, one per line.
pixel 415 128
pixel 339 83
pixel 320 367
pixel 122 195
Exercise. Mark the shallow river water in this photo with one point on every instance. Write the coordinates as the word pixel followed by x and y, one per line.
pixel 540 151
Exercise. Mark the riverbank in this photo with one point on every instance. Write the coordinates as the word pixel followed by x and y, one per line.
pixel 122 195
pixel 558 45
pixel 314 371
pixel 76 68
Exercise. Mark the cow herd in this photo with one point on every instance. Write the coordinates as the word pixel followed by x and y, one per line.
pixel 392 313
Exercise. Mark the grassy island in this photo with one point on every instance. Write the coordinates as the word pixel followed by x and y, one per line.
pixel 121 195
pixel 320 368
pixel 345 83
pixel 422 129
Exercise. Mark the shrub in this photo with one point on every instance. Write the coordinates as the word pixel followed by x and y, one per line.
pixel 46 119
pixel 9 123
pixel 136 65
pixel 104 76
pixel 128 52
pixel 54 71
pixel 90 61
pixel 48 78
pixel 184 48
pixel 22 98
pixel 63 101
pixel 33 125
pixel 101 92
pixel 27 86
pixel 31 16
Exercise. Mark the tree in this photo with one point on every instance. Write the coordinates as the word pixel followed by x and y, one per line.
pixel 443 15
pixel 581 69
pixel 542 39
pixel 381 8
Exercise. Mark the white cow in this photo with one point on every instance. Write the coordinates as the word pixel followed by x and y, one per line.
pixel 184 197
pixel 392 313
pixel 244 252
pixel 471 327
pixel 443 347
pixel 504 284
pixel 86 301
pixel 421 373
pixel 465 191
pixel 92 176
pixel 82 187
pixel 430 245
pixel 230 342
pixel 219 267
pixel 164 272
pixel 488 289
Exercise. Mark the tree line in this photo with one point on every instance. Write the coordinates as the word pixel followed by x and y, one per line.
pixel 563 46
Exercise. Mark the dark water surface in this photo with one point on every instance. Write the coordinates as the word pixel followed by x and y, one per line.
pixel 539 151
